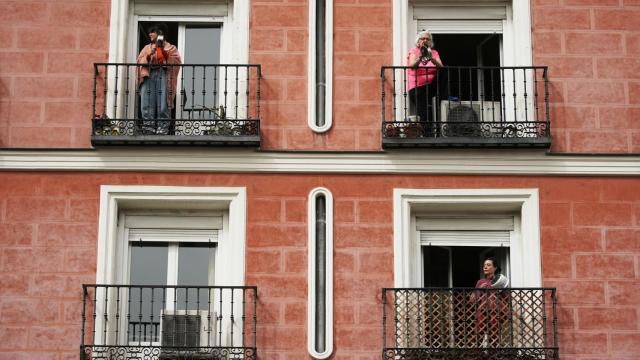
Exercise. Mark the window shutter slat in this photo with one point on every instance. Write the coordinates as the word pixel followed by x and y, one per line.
pixel 465 238
pixel 457 12
pixel 181 8
pixel 461 26
pixel 173 235
pixel 503 223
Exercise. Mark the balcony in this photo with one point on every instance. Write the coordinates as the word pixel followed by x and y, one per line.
pixel 465 107
pixel 207 105
pixel 168 322
pixel 468 323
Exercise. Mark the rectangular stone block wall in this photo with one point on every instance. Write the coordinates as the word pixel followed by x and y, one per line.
pixel 592 49
pixel 590 231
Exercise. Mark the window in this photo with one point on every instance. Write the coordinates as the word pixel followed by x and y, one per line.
pixel 170 268
pixel 440 239
pixel 208 35
pixel 320 74
pixel 458 19
pixel 468 226
pixel 320 274
pixel 173 250
pixel 488 78
pixel 454 247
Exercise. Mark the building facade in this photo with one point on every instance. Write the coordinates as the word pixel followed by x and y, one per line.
pixel 303 202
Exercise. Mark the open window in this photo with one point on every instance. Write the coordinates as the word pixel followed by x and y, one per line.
pixel 440 239
pixel 487 93
pixel 469 38
pixel 210 98
pixel 200 90
pixel 454 247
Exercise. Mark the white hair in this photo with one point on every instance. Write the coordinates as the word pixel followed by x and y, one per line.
pixel 421 34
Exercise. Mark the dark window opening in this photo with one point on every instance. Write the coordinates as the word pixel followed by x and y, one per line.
pixel 143 34
pixel 470 50
pixel 459 266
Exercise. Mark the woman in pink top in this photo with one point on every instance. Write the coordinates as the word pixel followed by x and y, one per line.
pixel 424 61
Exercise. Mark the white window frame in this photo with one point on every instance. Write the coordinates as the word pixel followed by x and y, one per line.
pixel 515 49
pixel 123 35
pixel 525 257
pixel 516 52
pixel 311 75
pixel 124 23
pixel 113 246
pixel 157 222
pixel 311 300
pixel 230 264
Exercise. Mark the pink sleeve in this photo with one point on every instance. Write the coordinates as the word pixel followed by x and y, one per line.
pixel 415 51
pixel 435 54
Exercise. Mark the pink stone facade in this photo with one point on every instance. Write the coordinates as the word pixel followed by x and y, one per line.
pixel 590 226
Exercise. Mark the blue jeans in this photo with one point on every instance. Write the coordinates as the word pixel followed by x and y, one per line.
pixel 153 101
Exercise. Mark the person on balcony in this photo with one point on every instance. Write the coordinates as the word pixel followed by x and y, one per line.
pixel 491 306
pixel 157 82
pixel 424 61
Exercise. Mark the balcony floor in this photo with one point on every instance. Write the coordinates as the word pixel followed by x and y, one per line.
pixel 175 140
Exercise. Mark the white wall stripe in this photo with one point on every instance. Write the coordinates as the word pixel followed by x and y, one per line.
pixel 494 162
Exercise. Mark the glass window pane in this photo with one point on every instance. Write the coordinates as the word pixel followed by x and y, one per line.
pixel 194 265
pixel 202 46
pixel 148 267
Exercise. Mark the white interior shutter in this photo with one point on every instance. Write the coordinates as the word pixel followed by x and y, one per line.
pixel 464 238
pixel 460 12
pixel 461 18
pixel 173 228
pixel 181 8
pixel 173 222
pixel 173 235
pixel 488 223
pixel 461 26
pixel 465 230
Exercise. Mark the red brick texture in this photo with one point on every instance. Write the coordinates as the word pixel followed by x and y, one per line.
pixel 46 60
pixel 591 48
pixel 590 231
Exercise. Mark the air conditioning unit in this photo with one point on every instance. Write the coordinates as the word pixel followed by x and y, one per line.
pixel 187 328
pixel 486 111
pixel 464 118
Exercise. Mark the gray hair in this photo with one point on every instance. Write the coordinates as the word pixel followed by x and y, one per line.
pixel 422 33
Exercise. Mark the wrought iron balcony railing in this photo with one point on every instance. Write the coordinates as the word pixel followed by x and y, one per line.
pixel 468 323
pixel 168 322
pixel 465 107
pixel 193 104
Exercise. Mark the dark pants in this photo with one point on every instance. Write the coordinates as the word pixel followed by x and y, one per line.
pixel 420 104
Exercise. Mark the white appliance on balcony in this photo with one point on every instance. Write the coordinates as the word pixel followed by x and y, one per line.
pixel 485 111
pixel 188 328
pixel 460 116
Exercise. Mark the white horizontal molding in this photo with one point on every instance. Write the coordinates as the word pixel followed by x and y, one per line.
pixel 503 162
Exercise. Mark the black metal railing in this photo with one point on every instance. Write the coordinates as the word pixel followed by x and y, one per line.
pixel 465 106
pixel 168 322
pixel 469 323
pixel 190 104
